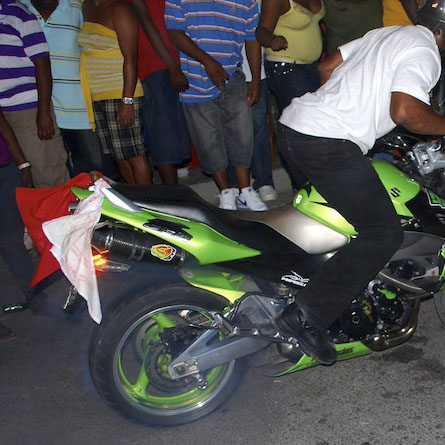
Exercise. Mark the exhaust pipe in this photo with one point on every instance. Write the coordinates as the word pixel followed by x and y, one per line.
pixel 137 246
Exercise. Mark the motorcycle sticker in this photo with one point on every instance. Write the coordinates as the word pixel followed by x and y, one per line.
pixel 295 278
pixel 163 251
pixel 435 200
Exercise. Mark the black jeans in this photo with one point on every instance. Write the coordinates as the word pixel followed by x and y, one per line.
pixel 349 183
pixel 12 248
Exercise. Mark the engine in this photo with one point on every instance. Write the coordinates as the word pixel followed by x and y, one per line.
pixel 375 310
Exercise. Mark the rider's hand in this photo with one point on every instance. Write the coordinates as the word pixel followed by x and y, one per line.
pixel 217 74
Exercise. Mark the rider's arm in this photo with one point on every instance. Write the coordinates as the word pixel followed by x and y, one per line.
pixel 327 67
pixel 415 115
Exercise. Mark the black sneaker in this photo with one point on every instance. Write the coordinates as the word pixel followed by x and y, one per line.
pixel 312 341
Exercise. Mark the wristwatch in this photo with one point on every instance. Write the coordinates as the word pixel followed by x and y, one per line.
pixel 128 100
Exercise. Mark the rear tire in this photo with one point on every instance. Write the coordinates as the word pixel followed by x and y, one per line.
pixel 128 357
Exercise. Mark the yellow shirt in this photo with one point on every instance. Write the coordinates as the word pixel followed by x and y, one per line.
pixel 101 66
pixel 302 31
pixel 394 13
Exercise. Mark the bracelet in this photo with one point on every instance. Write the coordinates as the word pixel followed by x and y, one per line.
pixel 24 165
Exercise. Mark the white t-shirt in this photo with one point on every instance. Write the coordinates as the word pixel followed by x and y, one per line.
pixel 354 104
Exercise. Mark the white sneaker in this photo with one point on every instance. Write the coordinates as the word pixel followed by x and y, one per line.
pixel 249 198
pixel 267 193
pixel 227 199
pixel 183 172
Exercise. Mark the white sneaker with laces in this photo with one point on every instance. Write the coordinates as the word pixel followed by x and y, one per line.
pixel 267 193
pixel 249 198
pixel 227 199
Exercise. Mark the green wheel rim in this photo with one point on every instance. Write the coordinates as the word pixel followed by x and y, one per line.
pixel 139 391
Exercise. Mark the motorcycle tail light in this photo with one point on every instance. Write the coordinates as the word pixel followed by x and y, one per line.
pixel 99 261
pixel 103 264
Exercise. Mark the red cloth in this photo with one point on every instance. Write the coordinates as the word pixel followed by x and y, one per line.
pixel 148 60
pixel 37 205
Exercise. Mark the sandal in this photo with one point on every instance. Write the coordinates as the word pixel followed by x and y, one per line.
pixel 6 334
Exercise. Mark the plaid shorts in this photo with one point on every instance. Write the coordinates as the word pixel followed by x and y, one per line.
pixel 121 143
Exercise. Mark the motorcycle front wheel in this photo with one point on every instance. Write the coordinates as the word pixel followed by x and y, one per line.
pixel 132 348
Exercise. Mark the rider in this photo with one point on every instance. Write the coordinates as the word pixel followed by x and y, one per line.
pixel 369 86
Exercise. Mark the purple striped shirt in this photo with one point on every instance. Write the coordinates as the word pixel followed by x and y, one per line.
pixel 21 41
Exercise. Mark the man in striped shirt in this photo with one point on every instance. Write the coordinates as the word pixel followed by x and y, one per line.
pixel 25 93
pixel 210 36
pixel 61 21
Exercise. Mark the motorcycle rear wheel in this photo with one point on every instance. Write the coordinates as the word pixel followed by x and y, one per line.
pixel 128 357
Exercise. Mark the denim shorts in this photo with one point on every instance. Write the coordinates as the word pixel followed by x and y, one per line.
pixel 221 129
pixel 165 127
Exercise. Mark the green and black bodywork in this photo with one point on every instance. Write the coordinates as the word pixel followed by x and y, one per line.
pixel 190 338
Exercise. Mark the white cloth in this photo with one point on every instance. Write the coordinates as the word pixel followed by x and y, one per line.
pixel 71 239
pixel 354 104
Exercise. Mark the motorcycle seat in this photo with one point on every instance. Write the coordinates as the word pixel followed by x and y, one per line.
pixel 182 201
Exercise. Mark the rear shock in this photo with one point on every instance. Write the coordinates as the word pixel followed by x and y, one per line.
pixel 137 246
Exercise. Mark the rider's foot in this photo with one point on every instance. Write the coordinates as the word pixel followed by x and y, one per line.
pixel 313 342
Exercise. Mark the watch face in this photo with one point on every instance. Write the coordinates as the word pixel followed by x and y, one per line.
pixel 128 100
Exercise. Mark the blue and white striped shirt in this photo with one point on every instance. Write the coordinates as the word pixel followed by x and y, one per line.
pixel 218 27
pixel 61 30
pixel 21 41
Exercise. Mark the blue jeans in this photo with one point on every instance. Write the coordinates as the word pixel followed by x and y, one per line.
pixel 84 150
pixel 261 167
pixel 286 81
pixel 346 179
pixel 12 248
pixel 289 80
pixel 221 129
pixel 164 122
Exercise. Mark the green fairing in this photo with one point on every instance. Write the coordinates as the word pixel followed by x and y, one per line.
pixel 345 351
pixel 400 188
pixel 221 283
pixel 206 245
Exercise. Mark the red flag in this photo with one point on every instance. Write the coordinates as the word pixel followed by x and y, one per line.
pixel 37 205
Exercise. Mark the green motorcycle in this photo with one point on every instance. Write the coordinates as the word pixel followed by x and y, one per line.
pixel 177 343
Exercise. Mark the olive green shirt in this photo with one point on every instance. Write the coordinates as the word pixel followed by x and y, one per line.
pixel 347 21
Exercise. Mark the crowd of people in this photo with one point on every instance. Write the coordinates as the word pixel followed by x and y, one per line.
pixel 126 86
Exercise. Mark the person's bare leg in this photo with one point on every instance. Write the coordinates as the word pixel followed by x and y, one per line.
pixel 242 176
pixel 141 170
pixel 125 171
pixel 221 179
pixel 168 173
